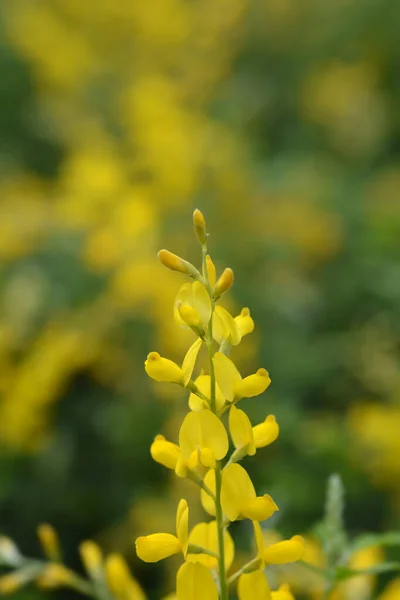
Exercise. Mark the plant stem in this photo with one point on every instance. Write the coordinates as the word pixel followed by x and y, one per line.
pixel 219 517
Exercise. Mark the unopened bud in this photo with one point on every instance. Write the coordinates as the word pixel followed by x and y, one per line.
pixel 92 558
pixel 211 273
pixel 176 263
pixel 200 226
pixel 224 283
pixel 49 541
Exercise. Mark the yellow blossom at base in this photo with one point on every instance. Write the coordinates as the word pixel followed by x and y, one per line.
pixel 252 586
pixel 165 370
pixel 195 582
pixel 231 383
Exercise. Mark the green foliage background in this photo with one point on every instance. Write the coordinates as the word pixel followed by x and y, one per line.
pixel 280 120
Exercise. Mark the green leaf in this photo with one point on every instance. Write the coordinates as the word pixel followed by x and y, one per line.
pixel 391 538
pixel 342 573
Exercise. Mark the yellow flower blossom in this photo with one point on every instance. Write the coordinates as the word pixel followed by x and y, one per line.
pixel 231 330
pixel 157 546
pixel 239 499
pixel 205 536
pixel 120 580
pixel 192 303
pixel 280 553
pixel 195 582
pixel 241 431
pixel 203 384
pixel 203 439
pixel 265 433
pixel 164 452
pixel 165 370
pixel 231 383
pixel 254 585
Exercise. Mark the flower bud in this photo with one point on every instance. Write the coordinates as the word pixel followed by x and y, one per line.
pixel 49 541
pixel 176 263
pixel 92 558
pixel 211 273
pixel 224 283
pixel 200 226
pixel 9 553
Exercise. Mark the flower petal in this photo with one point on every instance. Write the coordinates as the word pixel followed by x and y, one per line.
pixel 236 491
pixel 203 430
pixel 206 536
pixel 260 508
pixel 225 327
pixel 190 360
pixel 164 452
pixel 206 500
pixel 182 524
pixel 283 593
pixel 285 552
pixel 201 302
pixel 195 582
pixel 155 547
pixel 253 385
pixel 244 322
pixel 265 433
pixel 253 586
pixel 241 430
pixel 162 369
pixel 227 375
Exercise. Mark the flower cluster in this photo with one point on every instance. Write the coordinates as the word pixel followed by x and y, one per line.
pixel 227 492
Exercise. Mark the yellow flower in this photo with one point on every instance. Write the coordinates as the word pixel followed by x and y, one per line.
pixel 210 271
pixel 192 305
pixel 224 283
pixel 164 452
pixel 195 582
pixel 231 383
pixel 283 593
pixel 265 433
pixel 254 585
pixel 203 384
pixel 229 329
pixel 155 547
pixel 203 439
pixel 279 553
pixel 120 580
pixel 239 499
pixel 165 370
pixel 205 535
pixel 241 432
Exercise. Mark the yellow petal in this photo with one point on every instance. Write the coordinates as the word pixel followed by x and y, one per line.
pixel 155 547
pixel 241 430
pixel 206 500
pixel 201 302
pixel 244 322
pixel 190 316
pixel 162 369
pixel 207 458
pixel 184 296
pixel 182 524
pixel 203 383
pixel 203 430
pixel 206 536
pixel 224 283
pixel 252 586
pixel 258 535
pixel 236 491
pixel 253 385
pixel 190 360
pixel 283 593
pixel 227 375
pixel 266 433
pixel 285 552
pixel 260 508
pixel 120 580
pixel 211 272
pixel 195 582
pixel 164 452
pixel 224 327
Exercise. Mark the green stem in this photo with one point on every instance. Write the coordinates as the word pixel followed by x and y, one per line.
pixel 219 517
pixel 253 564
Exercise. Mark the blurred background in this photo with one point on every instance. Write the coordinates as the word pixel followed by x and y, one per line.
pixel 279 120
